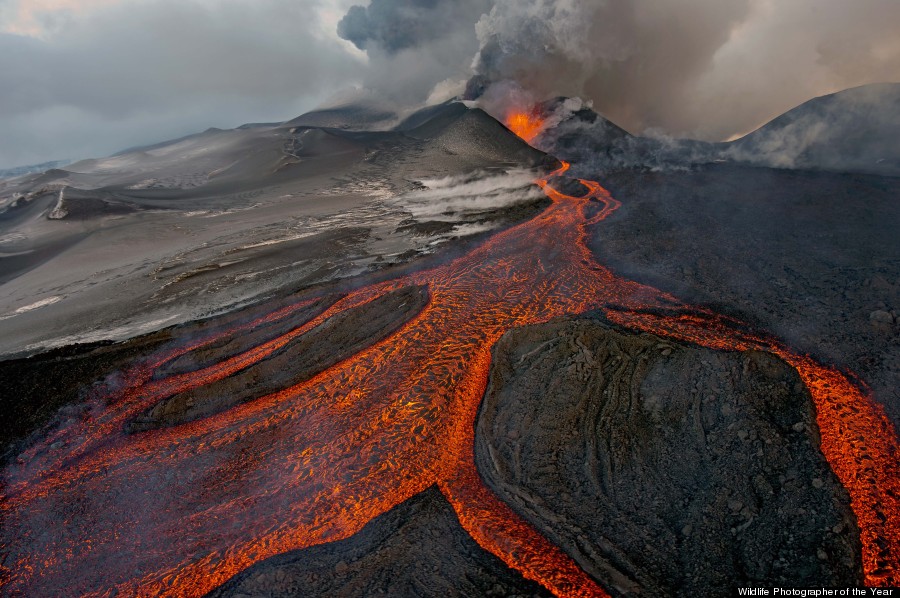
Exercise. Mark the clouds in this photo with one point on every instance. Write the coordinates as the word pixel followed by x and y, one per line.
pixel 708 69
pixel 37 17
pixel 116 74
pixel 395 25
pixel 785 53
pixel 637 60
pixel 705 68
pixel 88 77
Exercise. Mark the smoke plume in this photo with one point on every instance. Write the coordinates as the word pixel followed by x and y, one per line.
pixel 637 60
pixel 708 69
pixel 704 68
pixel 395 25
pixel 419 50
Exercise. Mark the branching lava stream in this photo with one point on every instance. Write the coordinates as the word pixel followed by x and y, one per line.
pixel 91 510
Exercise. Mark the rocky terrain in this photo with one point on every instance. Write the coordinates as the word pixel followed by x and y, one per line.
pixel 811 257
pixel 664 469
pixel 854 130
pixel 336 339
pixel 661 468
pixel 416 549
pixel 792 228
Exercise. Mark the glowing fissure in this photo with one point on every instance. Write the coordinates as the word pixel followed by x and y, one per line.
pixel 178 511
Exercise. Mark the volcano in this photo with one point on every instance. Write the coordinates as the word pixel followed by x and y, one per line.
pixel 434 360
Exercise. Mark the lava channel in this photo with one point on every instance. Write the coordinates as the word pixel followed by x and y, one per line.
pixel 92 510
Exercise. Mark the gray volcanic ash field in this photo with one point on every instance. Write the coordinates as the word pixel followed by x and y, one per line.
pixel 165 234
pixel 317 358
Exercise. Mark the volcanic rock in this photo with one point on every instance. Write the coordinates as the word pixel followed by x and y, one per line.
pixel 881 317
pixel 231 345
pixel 805 256
pixel 337 338
pixel 664 475
pixel 77 204
pixel 416 549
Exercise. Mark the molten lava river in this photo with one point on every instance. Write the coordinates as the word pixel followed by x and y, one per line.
pixel 92 510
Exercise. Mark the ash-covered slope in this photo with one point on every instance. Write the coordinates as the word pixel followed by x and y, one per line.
pixel 595 144
pixel 855 130
pixel 8 173
pixel 354 117
pixel 353 110
pixel 850 131
pixel 161 234
pixel 467 134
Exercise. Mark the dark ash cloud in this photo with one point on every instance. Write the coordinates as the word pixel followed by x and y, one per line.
pixel 394 25
pixel 703 68
pixel 708 69
pixel 415 47
pixel 109 74
pixel 637 60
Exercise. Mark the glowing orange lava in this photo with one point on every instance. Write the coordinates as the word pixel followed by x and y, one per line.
pixel 527 125
pixel 90 510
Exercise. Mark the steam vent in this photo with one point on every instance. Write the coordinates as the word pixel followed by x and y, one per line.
pixel 595 319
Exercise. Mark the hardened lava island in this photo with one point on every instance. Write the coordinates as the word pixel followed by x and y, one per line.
pixel 457 356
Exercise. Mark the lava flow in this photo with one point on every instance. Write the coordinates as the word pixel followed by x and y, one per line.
pixel 91 510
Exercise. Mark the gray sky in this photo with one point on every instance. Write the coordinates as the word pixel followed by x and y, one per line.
pixel 85 78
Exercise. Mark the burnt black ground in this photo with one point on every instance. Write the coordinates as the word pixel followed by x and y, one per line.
pixel 416 549
pixel 812 258
pixel 662 468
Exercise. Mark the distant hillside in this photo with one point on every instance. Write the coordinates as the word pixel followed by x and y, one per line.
pixel 454 129
pixel 854 130
pixel 352 116
pixel 594 144
pixel 8 173
pixel 172 231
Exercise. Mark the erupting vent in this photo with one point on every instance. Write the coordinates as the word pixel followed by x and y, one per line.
pixel 527 125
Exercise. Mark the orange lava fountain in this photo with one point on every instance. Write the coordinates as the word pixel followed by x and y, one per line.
pixel 526 125
pixel 91 510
